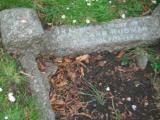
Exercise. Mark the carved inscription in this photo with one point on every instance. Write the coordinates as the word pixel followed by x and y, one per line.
pixel 125 31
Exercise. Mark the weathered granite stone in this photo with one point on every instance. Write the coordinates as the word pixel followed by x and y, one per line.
pixel 156 12
pixel 65 40
pixel 19 28
pixel 50 70
pixel 29 64
pixel 142 60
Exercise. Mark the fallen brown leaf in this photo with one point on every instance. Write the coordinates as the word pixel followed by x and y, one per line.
pixel 83 114
pixel 82 71
pixel 41 66
pixel 58 105
pixel 83 58
pixel 120 54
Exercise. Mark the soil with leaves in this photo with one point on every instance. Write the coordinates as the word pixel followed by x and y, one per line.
pixel 101 86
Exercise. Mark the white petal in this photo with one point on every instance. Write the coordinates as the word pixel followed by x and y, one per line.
pixel 74 21
pixel 89 4
pixel 11 98
pixel 123 16
pixel 87 21
pixel 6 117
pixel 154 1
pixel 63 16
pixel 1 89
pixel 134 107
pixel 10 94
pixel 128 98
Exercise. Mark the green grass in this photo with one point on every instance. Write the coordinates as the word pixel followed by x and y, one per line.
pixel 95 95
pixel 51 11
pixel 5 4
pixel 24 108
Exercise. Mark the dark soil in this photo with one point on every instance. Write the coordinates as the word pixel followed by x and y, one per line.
pixel 98 87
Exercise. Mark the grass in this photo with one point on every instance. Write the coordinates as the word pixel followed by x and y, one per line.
pixel 24 108
pixel 96 95
pixel 78 12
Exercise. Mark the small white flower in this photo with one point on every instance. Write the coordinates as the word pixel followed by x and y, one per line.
pixel 11 98
pixel 63 16
pixel 110 2
pixel 123 16
pixel 1 89
pixel 97 0
pixel 154 1
pixel 74 21
pixel 128 98
pixel 87 21
pixel 6 117
pixel 89 4
pixel 67 8
pixel 134 107
pixel 87 0
pixel 108 89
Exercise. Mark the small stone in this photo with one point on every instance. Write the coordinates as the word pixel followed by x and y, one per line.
pixel 134 107
pixel 142 60
pixel 108 89
pixel 100 84
pixel 128 99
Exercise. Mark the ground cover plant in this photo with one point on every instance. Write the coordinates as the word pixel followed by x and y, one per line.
pixel 98 86
pixel 16 101
pixel 81 12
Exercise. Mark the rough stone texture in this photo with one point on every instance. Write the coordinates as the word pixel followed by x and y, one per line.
pixel 142 60
pixel 156 12
pixel 66 40
pixel 37 85
pixel 19 28
pixel 50 70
